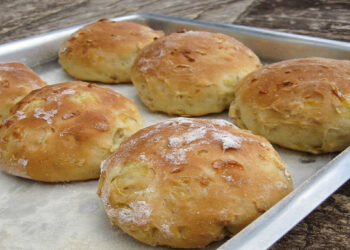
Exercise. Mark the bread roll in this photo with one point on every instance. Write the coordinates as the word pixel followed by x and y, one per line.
pixel 191 73
pixel 16 81
pixel 301 104
pixel 188 182
pixel 104 51
pixel 62 132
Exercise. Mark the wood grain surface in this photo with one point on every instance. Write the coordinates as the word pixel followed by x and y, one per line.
pixel 328 227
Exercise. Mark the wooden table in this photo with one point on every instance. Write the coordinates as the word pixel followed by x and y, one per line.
pixel 328 227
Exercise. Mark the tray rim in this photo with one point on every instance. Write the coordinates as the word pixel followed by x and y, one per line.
pixel 11 47
pixel 332 175
pixel 243 28
pixel 236 27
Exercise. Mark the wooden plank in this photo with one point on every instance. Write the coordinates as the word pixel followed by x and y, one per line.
pixel 329 19
pixel 328 227
pixel 23 18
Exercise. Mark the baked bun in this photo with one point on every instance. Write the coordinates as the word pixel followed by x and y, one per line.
pixel 104 51
pixel 62 132
pixel 188 182
pixel 301 104
pixel 191 73
pixel 16 81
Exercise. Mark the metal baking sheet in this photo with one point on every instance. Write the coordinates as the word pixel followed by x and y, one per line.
pixel 36 215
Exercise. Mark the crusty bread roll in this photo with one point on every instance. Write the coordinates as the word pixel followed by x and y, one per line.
pixel 302 104
pixel 104 51
pixel 188 182
pixel 62 132
pixel 191 73
pixel 16 81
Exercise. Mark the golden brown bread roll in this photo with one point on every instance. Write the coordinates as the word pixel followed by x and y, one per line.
pixel 62 132
pixel 191 73
pixel 302 104
pixel 16 81
pixel 188 182
pixel 104 51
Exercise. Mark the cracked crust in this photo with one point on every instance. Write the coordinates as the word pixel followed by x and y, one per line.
pixel 104 51
pixel 301 104
pixel 62 132
pixel 16 81
pixel 191 73
pixel 188 182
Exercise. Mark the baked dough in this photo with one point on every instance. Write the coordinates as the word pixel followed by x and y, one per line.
pixel 16 81
pixel 191 73
pixel 104 51
pixel 301 104
pixel 63 132
pixel 187 182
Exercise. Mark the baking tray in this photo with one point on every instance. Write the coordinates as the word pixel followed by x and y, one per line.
pixel 36 215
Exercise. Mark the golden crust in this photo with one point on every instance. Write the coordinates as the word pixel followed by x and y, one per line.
pixel 104 51
pixel 191 73
pixel 16 81
pixel 62 132
pixel 188 182
pixel 302 104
